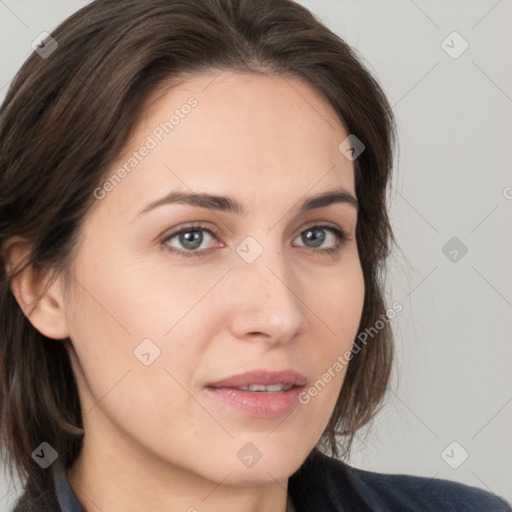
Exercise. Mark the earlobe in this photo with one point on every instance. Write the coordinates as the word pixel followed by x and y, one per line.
pixel 41 302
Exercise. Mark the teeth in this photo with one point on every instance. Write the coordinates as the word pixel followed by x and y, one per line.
pixel 270 387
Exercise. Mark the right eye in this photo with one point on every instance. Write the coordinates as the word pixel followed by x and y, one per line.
pixel 189 240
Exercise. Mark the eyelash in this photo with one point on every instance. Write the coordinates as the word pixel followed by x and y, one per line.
pixel 340 235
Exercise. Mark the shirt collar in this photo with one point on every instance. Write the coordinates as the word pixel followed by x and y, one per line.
pixel 66 498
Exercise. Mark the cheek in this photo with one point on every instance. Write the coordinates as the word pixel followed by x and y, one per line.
pixel 127 316
pixel 113 376
pixel 338 313
pixel 338 302
pixel 156 300
pixel 103 345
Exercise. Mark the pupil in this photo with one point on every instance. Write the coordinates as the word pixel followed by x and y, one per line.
pixel 191 239
pixel 317 236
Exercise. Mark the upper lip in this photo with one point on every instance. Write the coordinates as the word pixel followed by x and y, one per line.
pixel 261 377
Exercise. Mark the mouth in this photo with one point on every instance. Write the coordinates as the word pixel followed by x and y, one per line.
pixel 271 388
pixel 262 380
pixel 260 393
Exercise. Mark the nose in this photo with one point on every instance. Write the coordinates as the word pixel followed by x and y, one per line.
pixel 265 299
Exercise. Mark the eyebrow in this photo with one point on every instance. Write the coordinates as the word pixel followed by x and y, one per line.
pixel 228 204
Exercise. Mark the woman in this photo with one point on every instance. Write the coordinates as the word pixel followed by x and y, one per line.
pixel 194 228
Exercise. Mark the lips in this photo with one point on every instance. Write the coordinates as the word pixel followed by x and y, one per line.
pixel 257 403
pixel 262 377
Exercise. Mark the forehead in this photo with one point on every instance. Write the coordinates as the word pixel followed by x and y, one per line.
pixel 236 134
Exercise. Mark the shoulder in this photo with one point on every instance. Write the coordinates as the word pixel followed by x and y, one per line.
pixel 397 492
pixel 406 492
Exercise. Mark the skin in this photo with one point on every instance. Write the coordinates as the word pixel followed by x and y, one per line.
pixel 155 440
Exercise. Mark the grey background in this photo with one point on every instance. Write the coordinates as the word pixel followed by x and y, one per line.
pixel 453 378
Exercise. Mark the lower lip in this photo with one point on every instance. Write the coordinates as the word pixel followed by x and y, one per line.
pixel 259 404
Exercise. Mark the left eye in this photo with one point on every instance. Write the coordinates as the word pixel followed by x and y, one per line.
pixel 316 235
pixel 191 238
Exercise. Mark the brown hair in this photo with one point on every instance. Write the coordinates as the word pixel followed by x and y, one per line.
pixel 66 118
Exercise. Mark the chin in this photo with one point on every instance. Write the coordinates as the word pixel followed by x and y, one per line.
pixel 253 466
pixel 261 474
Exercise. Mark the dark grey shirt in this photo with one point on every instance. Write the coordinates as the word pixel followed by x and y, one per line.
pixel 323 484
pixel 66 498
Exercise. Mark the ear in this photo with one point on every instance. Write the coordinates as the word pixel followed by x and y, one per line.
pixel 41 303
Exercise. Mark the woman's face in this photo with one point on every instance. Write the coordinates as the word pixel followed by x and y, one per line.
pixel 155 317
